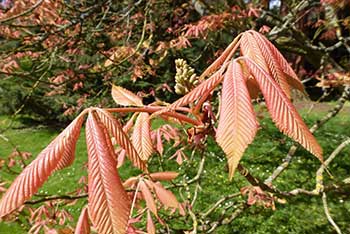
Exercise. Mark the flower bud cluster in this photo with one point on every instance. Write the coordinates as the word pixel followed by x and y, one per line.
pixel 186 79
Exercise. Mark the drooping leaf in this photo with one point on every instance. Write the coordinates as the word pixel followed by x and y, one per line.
pixel 83 226
pixel 124 97
pixel 56 155
pixel 141 136
pixel 283 112
pixel 69 152
pixel 164 175
pixel 109 205
pixel 130 123
pixel 255 48
pixel 121 157
pixel 237 124
pixel 166 197
pixel 116 130
pixel 159 144
pixel 292 78
pixel 151 229
pixel 147 195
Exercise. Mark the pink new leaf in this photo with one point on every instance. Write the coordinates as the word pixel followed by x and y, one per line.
pixel 203 89
pixel 166 197
pixel 68 155
pixel 56 155
pixel 141 137
pixel 124 97
pixel 165 175
pixel 237 124
pixel 282 111
pixel 151 229
pixel 225 56
pixel 292 78
pixel 83 226
pixel 109 204
pixel 256 49
pixel 116 130
pixel 147 195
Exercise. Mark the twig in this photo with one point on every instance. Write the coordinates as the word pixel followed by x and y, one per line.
pixel 150 109
pixel 195 222
pixel 221 200
pixel 36 5
pixel 298 191
pixel 319 188
pixel 63 197
pixel 319 173
pixel 329 217
pixel 255 181
pixel 199 172
pixel 283 166
pixel 197 189
pixel 134 199
pixel 332 113
pixel 289 18
pixel 239 210
pixel 235 214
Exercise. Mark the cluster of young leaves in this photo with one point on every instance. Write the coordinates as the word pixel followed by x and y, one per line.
pixel 261 68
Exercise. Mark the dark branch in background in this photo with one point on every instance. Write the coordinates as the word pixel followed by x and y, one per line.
pixel 253 180
pixel 57 197
pixel 36 5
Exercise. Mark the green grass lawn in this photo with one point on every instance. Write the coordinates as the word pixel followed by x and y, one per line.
pixel 302 214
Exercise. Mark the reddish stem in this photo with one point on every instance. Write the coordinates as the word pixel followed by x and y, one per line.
pixel 151 109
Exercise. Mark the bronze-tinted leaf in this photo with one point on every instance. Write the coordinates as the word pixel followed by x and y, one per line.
pixel 282 111
pixel 53 157
pixel 141 136
pixel 237 124
pixel 253 88
pixel 83 226
pixel 147 195
pixel 159 142
pixel 166 197
pixel 124 97
pixel 116 130
pixel 109 205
